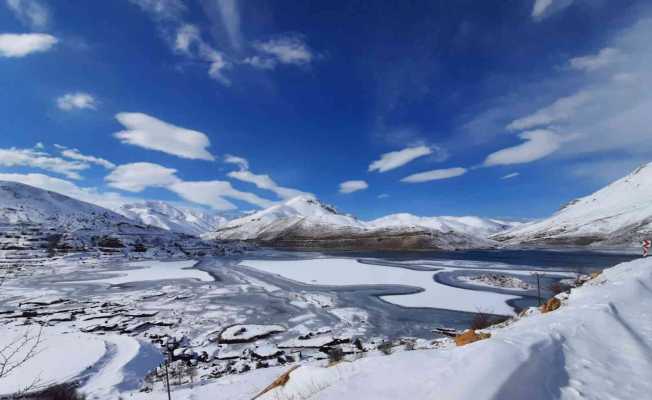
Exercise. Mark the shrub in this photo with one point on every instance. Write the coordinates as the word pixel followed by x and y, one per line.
pixel 385 348
pixel 558 287
pixel 64 391
pixel 482 320
pixel 335 355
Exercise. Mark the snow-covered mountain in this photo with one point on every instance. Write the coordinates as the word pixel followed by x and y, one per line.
pixel 23 204
pixel 474 226
pixel 177 219
pixel 37 219
pixel 305 222
pixel 618 215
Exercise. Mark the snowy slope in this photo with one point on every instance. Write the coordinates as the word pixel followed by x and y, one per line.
pixel 25 204
pixel 177 219
pixel 619 214
pixel 36 219
pixel 306 222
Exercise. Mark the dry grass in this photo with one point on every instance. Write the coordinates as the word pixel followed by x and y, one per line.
pixel 280 381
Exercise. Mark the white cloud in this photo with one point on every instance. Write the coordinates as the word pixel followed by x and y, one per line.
pixel 511 176
pixel 241 162
pixel 15 45
pixel 287 49
pixel 110 200
pixel 545 8
pixel 30 12
pixel 352 186
pixel 162 9
pixel 151 133
pixel 395 159
pixel 74 154
pixel 230 15
pixel 136 177
pixel 213 194
pixel 434 175
pixel 538 144
pixel 77 100
pixel 267 183
pixel 189 42
pixel 262 181
pixel 383 196
pixel 561 110
pixel 32 158
pixel 596 61
pixel 610 118
pixel 261 62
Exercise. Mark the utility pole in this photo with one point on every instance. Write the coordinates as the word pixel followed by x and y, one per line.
pixel 167 374
pixel 538 289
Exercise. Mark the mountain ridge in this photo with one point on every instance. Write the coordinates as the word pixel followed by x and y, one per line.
pixel 619 214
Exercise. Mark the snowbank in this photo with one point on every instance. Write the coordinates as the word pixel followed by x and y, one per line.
pixel 58 356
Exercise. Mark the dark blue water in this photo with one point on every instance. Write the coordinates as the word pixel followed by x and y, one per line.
pixel 572 261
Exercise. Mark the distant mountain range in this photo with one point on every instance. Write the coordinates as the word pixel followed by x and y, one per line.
pixel 172 218
pixel 619 215
pixel 304 222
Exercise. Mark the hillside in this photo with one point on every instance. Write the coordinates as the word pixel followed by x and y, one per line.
pixel 36 220
pixel 618 215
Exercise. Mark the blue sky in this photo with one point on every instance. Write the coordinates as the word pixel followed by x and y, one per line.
pixel 493 108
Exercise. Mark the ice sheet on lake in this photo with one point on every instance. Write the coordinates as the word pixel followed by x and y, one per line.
pixel 142 271
pixel 349 272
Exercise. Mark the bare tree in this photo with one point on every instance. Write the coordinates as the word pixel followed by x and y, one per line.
pixel 17 352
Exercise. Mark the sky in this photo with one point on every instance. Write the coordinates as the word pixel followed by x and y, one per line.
pixel 505 109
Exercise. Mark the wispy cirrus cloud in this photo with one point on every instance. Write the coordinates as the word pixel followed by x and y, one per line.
pixel 162 9
pixel 594 62
pixel 542 9
pixel 510 176
pixel 396 159
pixel 151 133
pixel 230 15
pixel 561 110
pixel 188 41
pixel 287 49
pixel 75 154
pixel 434 175
pixel 32 13
pixel 17 45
